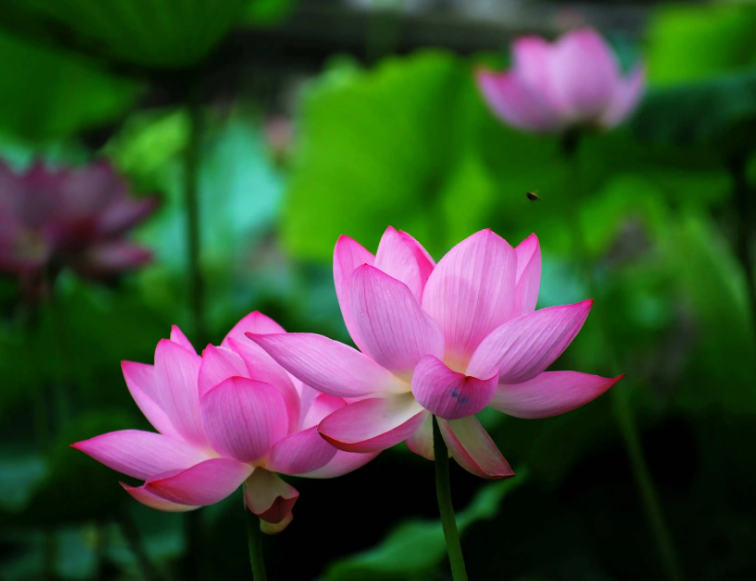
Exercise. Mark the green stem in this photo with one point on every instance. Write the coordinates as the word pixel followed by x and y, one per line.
pixel 191 201
pixel 746 214
pixel 620 402
pixel 443 492
pixel 254 537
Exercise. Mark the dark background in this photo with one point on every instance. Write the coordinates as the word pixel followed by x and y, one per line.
pixel 327 117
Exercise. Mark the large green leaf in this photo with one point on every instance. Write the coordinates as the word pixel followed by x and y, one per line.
pixel 48 94
pixel 150 33
pixel 416 548
pixel 695 42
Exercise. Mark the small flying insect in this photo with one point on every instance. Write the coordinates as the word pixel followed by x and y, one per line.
pixel 533 196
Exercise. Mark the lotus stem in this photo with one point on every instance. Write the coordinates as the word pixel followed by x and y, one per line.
pixel 254 538
pixel 443 492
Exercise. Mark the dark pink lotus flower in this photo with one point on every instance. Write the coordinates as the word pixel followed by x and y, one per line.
pixel 230 417
pixel 75 218
pixel 447 339
pixel 574 82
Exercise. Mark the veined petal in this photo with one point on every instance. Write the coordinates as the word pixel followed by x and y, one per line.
pixel 372 425
pixel 421 442
pixel 342 463
pixel 262 367
pixel 347 256
pixel 322 406
pixel 515 103
pixel 551 393
pixel 142 383
pixel 584 74
pixel 177 372
pixel 403 258
pixel 627 95
pixel 177 336
pixel 244 418
pixel 449 394
pixel 528 275
pixel 255 323
pixel 144 496
pixel 329 366
pixel 524 347
pixel 471 292
pixel 206 483
pixel 218 364
pixel 270 497
pixel 395 331
pixel 301 452
pixel 473 448
pixel 141 454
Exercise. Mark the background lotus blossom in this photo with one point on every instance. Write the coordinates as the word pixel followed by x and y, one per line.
pixel 229 417
pixel 575 81
pixel 75 218
pixel 446 339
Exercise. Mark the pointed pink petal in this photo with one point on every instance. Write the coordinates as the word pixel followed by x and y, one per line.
pixel 123 214
pixel 584 74
pixel 471 292
pixel 347 256
pixel 177 336
pixel 516 104
pixel 327 365
pixel 322 406
pixel 372 425
pixel 177 372
pixel 262 367
pixel 528 275
pixel 270 497
pixel 395 331
pixel 300 452
pixel 140 454
pixel 473 448
pixel 448 394
pixel 218 364
pixel 142 383
pixel 244 418
pixel 107 258
pixel 206 483
pixel 141 494
pixel 421 442
pixel 627 96
pixel 342 463
pixel 403 258
pixel 524 347
pixel 551 393
pixel 255 323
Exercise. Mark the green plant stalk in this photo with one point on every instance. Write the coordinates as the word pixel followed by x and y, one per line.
pixel 443 492
pixel 192 522
pixel 746 214
pixel 622 410
pixel 255 541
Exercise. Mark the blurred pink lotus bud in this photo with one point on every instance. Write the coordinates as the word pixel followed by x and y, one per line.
pixel 230 417
pixel 75 218
pixel 448 339
pixel 573 82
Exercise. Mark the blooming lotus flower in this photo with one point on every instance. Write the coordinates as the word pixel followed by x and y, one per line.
pixel 574 82
pixel 446 339
pixel 74 218
pixel 230 417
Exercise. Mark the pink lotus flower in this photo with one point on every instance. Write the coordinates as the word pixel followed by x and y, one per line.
pixel 230 417
pixel 68 218
pixel 447 339
pixel 575 81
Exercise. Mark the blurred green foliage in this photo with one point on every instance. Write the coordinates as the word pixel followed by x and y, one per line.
pixel 643 218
